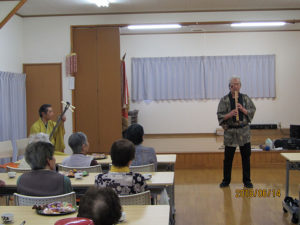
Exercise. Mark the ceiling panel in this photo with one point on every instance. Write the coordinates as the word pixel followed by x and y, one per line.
pixel 54 7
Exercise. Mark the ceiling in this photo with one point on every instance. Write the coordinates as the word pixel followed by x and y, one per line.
pixel 54 7
pixel 33 8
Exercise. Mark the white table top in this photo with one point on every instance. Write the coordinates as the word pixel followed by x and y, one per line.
pixel 158 179
pixel 292 157
pixel 161 159
pixel 166 158
pixel 135 215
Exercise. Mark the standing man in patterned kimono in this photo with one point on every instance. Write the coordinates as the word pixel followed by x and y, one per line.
pixel 45 125
pixel 236 133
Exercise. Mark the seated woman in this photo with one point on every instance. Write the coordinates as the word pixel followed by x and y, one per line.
pixel 80 147
pixel 102 205
pixel 42 180
pixel 143 155
pixel 119 177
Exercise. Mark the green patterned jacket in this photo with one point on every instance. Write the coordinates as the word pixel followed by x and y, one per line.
pixel 235 136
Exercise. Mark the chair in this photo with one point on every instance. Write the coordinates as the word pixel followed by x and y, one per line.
pixel 21 145
pixel 6 150
pixel 90 169
pixel 143 198
pixel 25 200
pixel 17 170
pixel 143 168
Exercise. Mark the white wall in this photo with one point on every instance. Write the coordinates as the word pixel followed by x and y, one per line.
pixel 11 45
pixel 200 116
pixel 47 39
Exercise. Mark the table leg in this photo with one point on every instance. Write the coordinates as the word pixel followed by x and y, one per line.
pixel 287 182
pixel 7 200
pixel 172 165
pixel 171 191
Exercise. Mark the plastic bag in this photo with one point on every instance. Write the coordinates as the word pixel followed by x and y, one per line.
pixel 269 143
pixel 164 198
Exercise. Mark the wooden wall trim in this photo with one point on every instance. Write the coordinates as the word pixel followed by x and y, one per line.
pixel 214 160
pixel 25 64
pixel 7 18
pixel 284 131
pixel 180 135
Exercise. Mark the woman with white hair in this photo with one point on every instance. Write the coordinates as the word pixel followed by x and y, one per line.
pixel 43 180
pixel 80 147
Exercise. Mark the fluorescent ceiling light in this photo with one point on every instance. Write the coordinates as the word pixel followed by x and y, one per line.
pixel 258 24
pixel 154 26
pixel 101 3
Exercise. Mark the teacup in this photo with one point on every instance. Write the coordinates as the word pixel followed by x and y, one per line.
pixel 11 174
pixel 147 176
pixel 78 175
pixel 7 217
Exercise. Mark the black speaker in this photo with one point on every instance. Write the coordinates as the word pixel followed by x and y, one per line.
pixel 263 126
pixel 287 143
pixel 295 131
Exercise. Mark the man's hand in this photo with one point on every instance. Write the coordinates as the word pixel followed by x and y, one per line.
pixel 233 113
pixel 242 109
pixel 63 118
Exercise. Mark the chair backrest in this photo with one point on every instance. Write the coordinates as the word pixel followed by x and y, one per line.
pixel 6 150
pixel 17 170
pixel 143 168
pixel 143 198
pixel 21 145
pixel 25 200
pixel 90 169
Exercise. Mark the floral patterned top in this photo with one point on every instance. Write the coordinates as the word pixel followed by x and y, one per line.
pixel 124 183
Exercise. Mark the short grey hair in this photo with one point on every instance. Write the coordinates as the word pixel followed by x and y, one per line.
pixel 39 137
pixel 234 78
pixel 37 154
pixel 76 141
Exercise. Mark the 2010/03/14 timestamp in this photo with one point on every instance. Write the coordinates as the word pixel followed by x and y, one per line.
pixel 260 193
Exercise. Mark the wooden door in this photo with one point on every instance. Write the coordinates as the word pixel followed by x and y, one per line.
pixel 86 85
pixel 97 94
pixel 43 86
pixel 109 84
